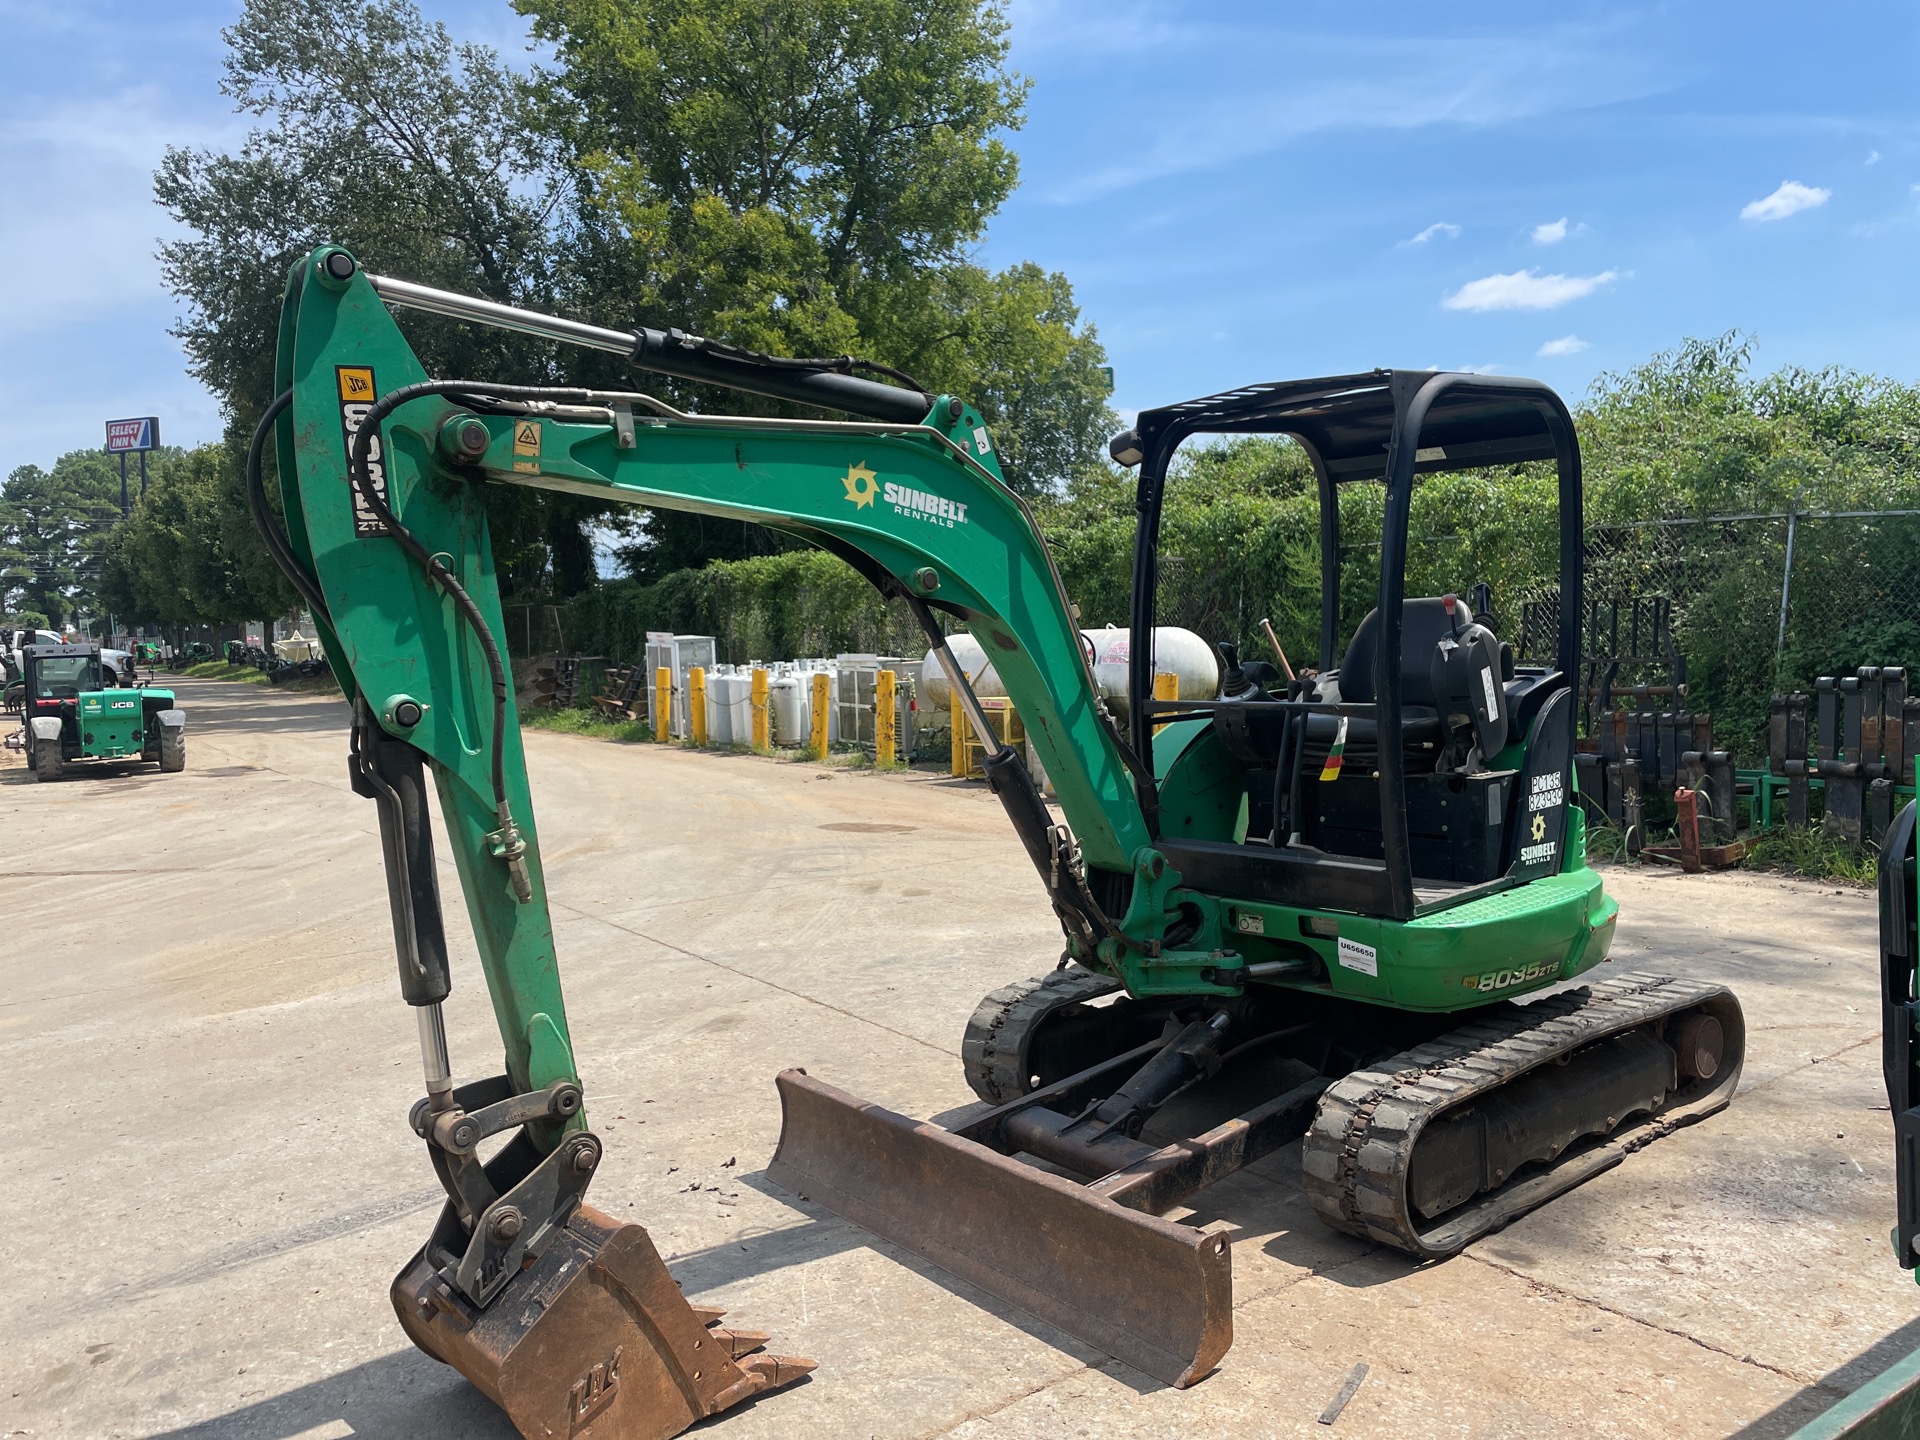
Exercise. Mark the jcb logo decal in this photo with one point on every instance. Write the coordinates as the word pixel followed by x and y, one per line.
pixel 357 392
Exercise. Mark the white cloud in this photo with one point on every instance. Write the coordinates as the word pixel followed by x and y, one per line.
pixel 1552 233
pixel 1791 198
pixel 1565 345
pixel 1357 84
pixel 1442 228
pixel 1873 157
pixel 1525 290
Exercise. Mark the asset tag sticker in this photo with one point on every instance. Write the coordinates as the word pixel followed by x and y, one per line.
pixel 1249 924
pixel 357 392
pixel 526 446
pixel 1355 956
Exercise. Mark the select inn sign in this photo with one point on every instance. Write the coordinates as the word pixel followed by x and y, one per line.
pixel 126 436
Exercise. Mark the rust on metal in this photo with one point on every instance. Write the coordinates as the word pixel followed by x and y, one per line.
pixel 1690 854
pixel 1151 1292
pixel 592 1341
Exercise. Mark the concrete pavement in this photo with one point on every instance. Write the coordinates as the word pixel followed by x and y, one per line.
pixel 208 1070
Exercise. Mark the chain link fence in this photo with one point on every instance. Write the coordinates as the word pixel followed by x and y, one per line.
pixel 1752 604
pixel 1759 603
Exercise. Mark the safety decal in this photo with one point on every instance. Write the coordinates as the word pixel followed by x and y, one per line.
pixel 526 446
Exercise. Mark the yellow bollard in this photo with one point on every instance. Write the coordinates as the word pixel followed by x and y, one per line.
pixel 662 704
pixel 959 736
pixel 883 719
pixel 697 704
pixel 759 701
pixel 820 704
pixel 1165 687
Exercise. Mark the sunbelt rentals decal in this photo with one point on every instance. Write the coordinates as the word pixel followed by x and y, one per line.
pixel 863 486
pixel 1548 793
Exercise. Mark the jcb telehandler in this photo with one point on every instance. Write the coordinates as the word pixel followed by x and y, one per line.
pixel 76 708
pixel 1287 913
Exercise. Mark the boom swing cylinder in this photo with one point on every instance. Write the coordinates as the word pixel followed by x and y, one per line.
pixel 1248 956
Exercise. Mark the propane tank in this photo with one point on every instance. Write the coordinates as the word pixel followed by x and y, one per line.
pixel 1175 651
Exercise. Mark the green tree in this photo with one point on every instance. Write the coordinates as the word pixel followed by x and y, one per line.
pixel 188 554
pixel 809 177
pixel 53 524
pixel 419 154
pixel 806 177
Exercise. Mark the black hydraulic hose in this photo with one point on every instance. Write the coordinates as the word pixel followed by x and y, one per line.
pixel 358 461
pixel 282 553
pixel 358 472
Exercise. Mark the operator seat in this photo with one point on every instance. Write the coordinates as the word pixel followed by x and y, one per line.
pixel 1453 672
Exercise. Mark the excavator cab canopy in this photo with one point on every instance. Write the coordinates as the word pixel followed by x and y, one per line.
pixel 1408 665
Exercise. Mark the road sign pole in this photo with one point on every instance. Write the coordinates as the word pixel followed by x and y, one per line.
pixel 143 474
pixel 123 484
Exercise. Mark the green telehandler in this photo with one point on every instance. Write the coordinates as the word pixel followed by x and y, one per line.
pixel 74 709
pixel 1299 910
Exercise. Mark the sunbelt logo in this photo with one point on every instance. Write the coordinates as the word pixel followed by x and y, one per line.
pixel 863 486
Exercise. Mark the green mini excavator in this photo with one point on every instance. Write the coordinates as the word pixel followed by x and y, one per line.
pixel 1303 909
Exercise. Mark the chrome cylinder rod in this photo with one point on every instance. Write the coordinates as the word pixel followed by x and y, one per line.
pixel 670 352
pixel 410 296
pixel 434 1060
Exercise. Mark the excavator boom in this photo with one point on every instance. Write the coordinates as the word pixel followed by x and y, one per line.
pixel 386 537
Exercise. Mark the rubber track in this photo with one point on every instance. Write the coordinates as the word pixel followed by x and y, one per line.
pixel 994 1048
pixel 1355 1158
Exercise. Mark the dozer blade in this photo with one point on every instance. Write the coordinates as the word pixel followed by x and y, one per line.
pixel 592 1341
pixel 1151 1292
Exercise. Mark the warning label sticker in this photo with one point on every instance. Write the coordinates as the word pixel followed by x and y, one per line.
pixel 357 392
pixel 526 446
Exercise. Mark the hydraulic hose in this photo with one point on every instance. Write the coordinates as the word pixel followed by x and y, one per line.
pixel 359 471
pixel 282 553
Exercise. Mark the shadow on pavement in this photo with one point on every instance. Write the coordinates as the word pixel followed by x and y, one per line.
pixel 1834 1386
pixel 402 1394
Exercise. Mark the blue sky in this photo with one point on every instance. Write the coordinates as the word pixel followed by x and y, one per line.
pixel 1238 191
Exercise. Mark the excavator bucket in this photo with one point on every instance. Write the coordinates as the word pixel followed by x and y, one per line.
pixel 593 1340
pixel 1149 1291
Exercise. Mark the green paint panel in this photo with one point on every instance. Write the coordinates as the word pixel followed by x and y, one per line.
pixel 399 636
pixel 112 724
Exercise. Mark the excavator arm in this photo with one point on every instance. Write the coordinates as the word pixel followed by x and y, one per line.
pixel 381 469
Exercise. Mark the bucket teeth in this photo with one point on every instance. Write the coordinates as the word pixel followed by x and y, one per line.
pixel 776 1371
pixel 740 1342
pixel 707 1314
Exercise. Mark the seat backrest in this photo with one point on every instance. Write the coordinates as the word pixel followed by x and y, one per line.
pixel 1424 622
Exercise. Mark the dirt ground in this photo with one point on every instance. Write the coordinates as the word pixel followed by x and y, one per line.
pixel 208 1071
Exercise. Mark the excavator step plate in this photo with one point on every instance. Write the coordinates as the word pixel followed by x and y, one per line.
pixel 592 1341
pixel 1151 1292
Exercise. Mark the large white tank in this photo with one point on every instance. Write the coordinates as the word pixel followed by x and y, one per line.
pixel 790 705
pixel 1175 651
